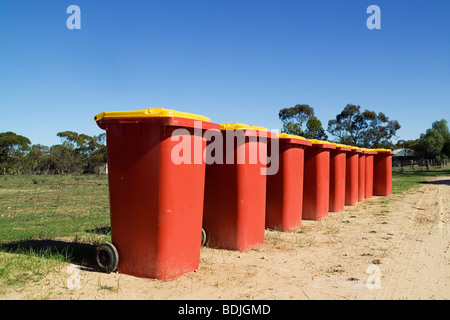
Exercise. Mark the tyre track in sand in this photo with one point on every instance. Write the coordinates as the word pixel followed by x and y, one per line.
pixel 417 266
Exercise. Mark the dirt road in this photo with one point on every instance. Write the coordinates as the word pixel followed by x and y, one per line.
pixel 393 247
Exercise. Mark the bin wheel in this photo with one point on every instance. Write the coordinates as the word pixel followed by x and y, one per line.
pixel 203 237
pixel 106 257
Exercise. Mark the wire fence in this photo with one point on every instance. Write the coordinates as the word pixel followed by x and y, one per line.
pixel 401 165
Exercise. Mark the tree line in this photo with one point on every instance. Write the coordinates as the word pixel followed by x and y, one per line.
pixel 434 144
pixel 78 153
pixel 81 153
pixel 366 129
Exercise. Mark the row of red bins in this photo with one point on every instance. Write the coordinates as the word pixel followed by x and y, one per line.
pixel 160 205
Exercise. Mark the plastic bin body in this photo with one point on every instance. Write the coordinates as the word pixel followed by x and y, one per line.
pixel 361 175
pixel 369 175
pixel 338 165
pixel 155 205
pixel 316 189
pixel 235 194
pixel 351 174
pixel 382 172
pixel 284 197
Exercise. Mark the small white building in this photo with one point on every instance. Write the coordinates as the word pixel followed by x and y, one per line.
pixel 403 153
pixel 403 157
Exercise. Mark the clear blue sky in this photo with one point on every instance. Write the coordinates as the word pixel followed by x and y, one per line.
pixel 230 60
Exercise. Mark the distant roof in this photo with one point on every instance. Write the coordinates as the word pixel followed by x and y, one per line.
pixel 403 153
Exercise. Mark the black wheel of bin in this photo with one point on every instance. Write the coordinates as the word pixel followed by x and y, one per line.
pixel 106 257
pixel 203 237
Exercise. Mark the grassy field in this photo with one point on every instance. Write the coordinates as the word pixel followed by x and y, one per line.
pixel 48 221
pixel 404 181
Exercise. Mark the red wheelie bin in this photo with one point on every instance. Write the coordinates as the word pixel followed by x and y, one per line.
pixel 369 173
pixel 351 174
pixel 156 203
pixel 338 166
pixel 284 196
pixel 361 174
pixel 235 189
pixel 316 190
pixel 382 172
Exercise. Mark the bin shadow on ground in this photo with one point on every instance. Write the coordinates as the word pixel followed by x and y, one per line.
pixel 444 182
pixel 81 254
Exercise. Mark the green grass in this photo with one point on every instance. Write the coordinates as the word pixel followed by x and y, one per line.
pixel 47 207
pixel 405 181
pixel 47 221
pixel 29 265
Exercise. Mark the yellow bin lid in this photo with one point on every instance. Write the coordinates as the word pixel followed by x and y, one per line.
pixel 240 126
pixel 325 144
pixel 340 145
pixel 315 141
pixel 150 112
pixel 289 136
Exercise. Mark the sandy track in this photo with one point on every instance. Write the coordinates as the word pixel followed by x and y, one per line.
pixel 418 267
pixel 384 248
